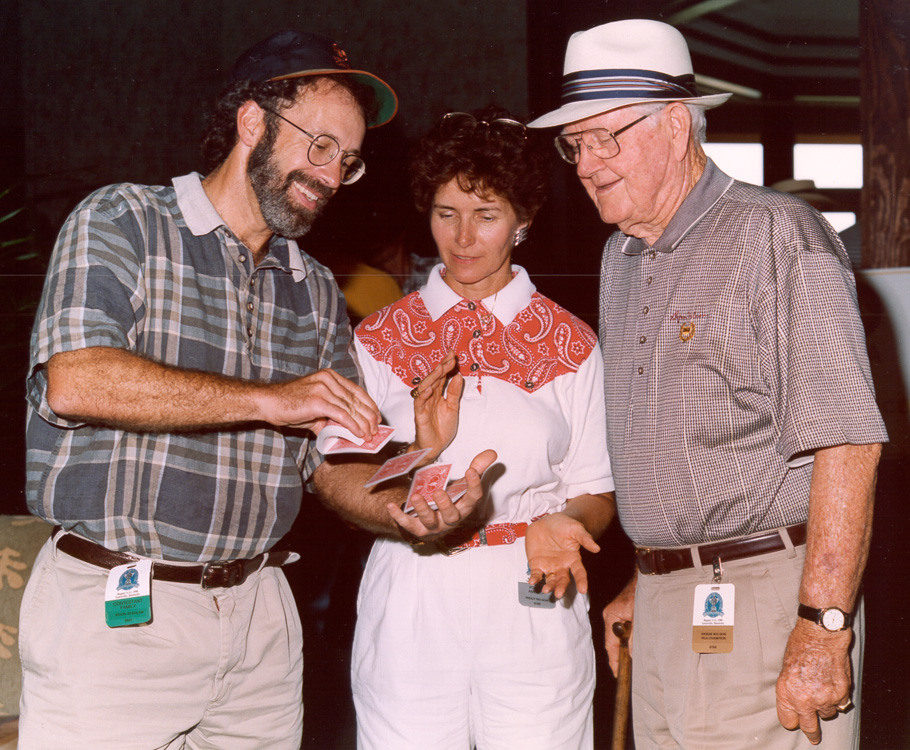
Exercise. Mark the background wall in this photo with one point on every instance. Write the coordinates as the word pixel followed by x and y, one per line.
pixel 131 88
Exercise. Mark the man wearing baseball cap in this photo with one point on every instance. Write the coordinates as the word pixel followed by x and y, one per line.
pixel 184 353
pixel 741 417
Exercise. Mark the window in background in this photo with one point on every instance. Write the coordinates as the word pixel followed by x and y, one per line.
pixel 840 220
pixel 744 161
pixel 831 165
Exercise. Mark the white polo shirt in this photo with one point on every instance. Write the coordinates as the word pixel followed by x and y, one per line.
pixel 533 388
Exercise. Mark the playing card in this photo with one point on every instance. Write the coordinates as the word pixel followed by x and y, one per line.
pixel 457 488
pixel 333 438
pixel 426 481
pixel 396 466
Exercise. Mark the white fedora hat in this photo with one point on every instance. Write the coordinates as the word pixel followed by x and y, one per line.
pixel 623 63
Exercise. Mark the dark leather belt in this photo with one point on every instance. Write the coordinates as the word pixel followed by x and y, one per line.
pixel 658 562
pixel 210 575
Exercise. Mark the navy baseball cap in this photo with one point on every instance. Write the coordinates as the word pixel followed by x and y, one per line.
pixel 291 54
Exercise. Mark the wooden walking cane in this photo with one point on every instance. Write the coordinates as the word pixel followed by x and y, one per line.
pixel 623 631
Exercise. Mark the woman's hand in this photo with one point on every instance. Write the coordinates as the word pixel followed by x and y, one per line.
pixel 553 544
pixel 436 407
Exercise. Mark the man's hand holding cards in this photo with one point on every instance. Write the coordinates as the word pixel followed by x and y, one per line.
pixel 333 438
pixel 426 481
pixel 425 523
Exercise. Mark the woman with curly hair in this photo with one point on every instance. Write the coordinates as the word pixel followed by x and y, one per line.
pixel 490 648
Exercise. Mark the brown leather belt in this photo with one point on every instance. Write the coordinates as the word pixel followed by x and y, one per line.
pixel 658 562
pixel 210 575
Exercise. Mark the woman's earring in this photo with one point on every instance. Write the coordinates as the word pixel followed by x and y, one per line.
pixel 521 234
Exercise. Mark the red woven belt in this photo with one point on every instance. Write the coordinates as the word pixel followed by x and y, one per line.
pixel 489 536
pixel 658 562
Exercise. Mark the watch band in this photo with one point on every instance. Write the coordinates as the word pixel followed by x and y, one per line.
pixel 818 616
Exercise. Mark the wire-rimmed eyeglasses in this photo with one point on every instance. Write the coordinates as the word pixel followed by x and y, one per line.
pixel 324 148
pixel 599 141
pixel 497 122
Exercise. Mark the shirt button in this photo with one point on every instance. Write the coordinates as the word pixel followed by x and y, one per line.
pixel 642 339
pixel 253 281
pixel 472 306
pixel 249 332
pixel 415 381
pixel 249 305
pixel 242 259
pixel 529 385
pixel 474 367
pixel 476 333
pixel 645 310
pixel 650 279
pixel 641 370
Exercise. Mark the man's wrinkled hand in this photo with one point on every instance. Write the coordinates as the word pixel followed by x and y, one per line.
pixel 619 610
pixel 815 678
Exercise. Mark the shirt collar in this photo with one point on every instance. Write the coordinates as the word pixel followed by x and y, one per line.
pixel 201 218
pixel 707 191
pixel 438 297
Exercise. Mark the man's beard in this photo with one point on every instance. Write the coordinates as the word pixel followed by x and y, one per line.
pixel 282 214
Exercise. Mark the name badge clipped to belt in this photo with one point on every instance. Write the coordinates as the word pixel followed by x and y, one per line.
pixel 712 615
pixel 128 595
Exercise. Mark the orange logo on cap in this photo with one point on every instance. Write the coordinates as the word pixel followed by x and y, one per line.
pixel 341 57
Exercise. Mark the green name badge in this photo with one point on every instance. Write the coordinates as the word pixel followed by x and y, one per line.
pixel 128 595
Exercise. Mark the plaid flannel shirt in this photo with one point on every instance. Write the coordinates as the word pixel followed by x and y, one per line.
pixel 154 270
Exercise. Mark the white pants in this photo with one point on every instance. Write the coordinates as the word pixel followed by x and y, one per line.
pixel 688 701
pixel 445 657
pixel 217 669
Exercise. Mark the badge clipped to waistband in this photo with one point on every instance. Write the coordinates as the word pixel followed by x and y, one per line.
pixel 128 595
pixel 712 615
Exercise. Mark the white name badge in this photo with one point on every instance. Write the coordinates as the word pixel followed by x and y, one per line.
pixel 712 618
pixel 128 595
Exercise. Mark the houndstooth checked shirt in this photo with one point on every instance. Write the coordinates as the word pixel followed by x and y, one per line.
pixel 732 350
pixel 154 270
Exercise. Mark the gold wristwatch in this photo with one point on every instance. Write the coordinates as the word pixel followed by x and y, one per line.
pixel 832 619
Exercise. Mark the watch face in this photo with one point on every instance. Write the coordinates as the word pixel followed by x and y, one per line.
pixel 833 619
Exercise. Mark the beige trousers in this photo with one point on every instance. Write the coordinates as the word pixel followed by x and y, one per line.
pixel 218 668
pixel 687 701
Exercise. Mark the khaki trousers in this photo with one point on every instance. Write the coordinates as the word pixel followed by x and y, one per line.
pixel 216 669
pixel 687 701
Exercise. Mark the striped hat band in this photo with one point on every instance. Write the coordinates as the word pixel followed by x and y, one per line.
pixel 588 85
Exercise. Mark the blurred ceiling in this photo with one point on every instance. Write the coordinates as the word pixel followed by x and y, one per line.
pixel 802 50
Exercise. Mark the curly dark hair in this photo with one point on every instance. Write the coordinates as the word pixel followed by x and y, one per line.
pixel 485 157
pixel 221 122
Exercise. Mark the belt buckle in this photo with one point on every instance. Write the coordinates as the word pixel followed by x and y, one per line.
pixel 642 551
pixel 450 551
pixel 234 571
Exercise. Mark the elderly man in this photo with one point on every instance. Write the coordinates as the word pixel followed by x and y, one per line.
pixel 184 353
pixel 741 418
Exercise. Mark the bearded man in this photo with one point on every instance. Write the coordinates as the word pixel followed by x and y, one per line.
pixel 184 353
